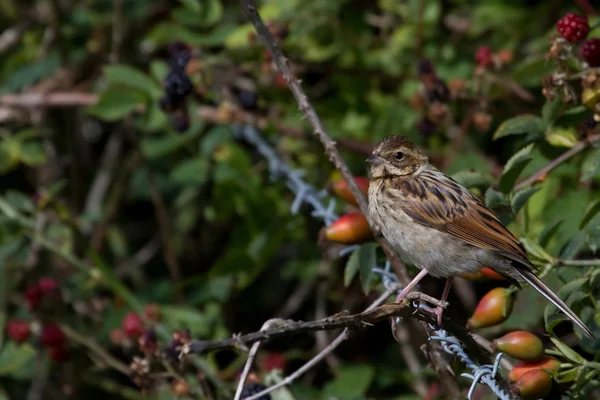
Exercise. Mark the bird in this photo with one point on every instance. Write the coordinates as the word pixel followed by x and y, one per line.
pixel 440 227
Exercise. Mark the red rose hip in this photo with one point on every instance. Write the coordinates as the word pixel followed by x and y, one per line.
pixel 521 345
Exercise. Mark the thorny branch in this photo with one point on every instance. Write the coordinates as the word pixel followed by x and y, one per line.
pixel 405 309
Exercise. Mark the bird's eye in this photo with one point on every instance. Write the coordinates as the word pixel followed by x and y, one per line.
pixel 399 155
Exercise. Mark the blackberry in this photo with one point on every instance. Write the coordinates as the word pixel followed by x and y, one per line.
pixel 483 56
pixel 573 27
pixel 250 389
pixel 177 86
pixel 180 122
pixel 248 100
pixel 590 52
pixel 426 127
pixel 437 91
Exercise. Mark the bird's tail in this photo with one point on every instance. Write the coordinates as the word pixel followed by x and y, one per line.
pixel 534 281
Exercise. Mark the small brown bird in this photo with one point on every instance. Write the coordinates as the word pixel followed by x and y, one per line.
pixel 441 227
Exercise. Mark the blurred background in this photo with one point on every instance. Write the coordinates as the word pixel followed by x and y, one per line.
pixel 133 206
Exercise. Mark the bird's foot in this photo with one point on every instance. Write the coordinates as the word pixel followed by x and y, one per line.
pixel 439 312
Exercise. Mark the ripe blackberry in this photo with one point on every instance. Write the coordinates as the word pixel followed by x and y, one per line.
pixel 590 52
pixel 248 100
pixel 180 122
pixel 177 86
pixel 573 27
pixel 252 388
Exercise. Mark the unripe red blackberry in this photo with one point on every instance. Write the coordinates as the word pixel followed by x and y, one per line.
pixel 33 295
pixel 59 354
pixel 590 52
pixel 18 330
pixel 52 336
pixel 133 325
pixel 47 285
pixel 573 27
pixel 483 56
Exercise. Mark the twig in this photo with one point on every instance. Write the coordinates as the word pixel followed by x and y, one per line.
pixel 207 113
pixel 542 173
pixel 106 357
pixel 33 254
pixel 164 224
pixel 102 180
pixel 40 379
pixel 373 315
pixel 141 257
pixel 316 359
pixel 411 358
pixel 296 299
pixel 577 262
pixel 252 355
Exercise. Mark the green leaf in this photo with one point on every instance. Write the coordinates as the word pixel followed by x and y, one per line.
pixel 495 199
pixel 519 198
pixel 520 125
pixel 124 75
pixel 562 137
pixel 567 351
pixel 115 103
pixel 551 318
pixel 213 12
pixel 33 154
pixel 568 375
pixel 536 250
pixel 351 382
pixel 591 166
pixel 469 178
pixel 590 213
pixel 366 262
pixel 14 358
pixel 352 267
pixel 192 5
pixel 551 110
pixel 159 147
pixel 192 171
pixel 514 167
pixel 548 232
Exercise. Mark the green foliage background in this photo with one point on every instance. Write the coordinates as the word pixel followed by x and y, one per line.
pixel 225 253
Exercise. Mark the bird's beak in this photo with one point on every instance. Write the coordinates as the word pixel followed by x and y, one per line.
pixel 373 159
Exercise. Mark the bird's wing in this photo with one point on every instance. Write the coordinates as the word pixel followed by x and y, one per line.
pixel 437 201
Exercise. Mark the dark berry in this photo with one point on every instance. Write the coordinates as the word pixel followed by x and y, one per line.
pixel 59 354
pixel 180 122
pixel 588 125
pixel 52 336
pixel 132 325
pixel 180 55
pixel 248 100
pixel 483 56
pixel 33 294
pixel 252 388
pixel 426 127
pixel 573 27
pixel 18 330
pixel 590 52
pixel 437 91
pixel 166 104
pixel 147 341
pixel 177 86
pixel 425 67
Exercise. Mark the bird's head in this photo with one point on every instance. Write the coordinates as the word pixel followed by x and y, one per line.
pixel 395 156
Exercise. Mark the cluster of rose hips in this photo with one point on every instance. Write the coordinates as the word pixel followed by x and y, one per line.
pixel 42 295
pixel 178 86
pixel 532 374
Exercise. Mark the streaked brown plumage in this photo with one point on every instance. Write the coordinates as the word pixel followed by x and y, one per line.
pixel 441 227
